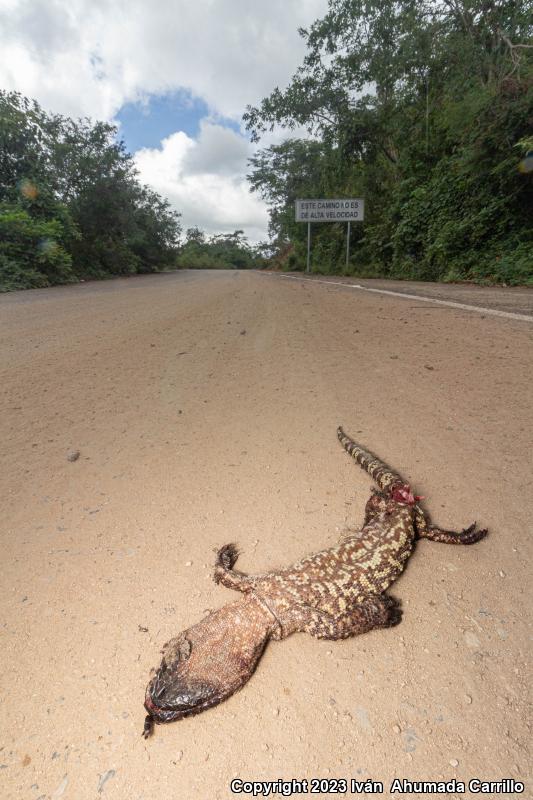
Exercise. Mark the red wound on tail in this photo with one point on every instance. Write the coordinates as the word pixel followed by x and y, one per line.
pixel 404 495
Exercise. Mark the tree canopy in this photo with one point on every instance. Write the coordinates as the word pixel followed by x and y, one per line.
pixel 71 204
pixel 220 251
pixel 426 110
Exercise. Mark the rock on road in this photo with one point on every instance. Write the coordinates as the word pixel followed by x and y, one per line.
pixel 146 422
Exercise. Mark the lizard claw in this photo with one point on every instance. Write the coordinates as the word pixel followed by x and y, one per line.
pixel 470 535
pixel 227 556
pixel 393 613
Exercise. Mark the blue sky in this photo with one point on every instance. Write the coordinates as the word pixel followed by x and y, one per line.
pixel 177 77
pixel 147 122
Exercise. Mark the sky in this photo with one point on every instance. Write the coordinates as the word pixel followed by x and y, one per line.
pixel 175 75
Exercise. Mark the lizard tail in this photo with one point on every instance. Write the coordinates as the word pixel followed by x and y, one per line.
pixel 399 490
pixel 384 476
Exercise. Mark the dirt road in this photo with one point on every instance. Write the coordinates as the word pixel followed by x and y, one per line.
pixel 204 408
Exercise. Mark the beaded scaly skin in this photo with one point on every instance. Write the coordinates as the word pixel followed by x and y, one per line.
pixel 335 593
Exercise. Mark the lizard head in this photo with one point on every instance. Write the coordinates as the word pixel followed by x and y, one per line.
pixel 207 663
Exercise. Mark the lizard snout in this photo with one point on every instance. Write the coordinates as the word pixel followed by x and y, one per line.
pixel 170 697
pixel 208 662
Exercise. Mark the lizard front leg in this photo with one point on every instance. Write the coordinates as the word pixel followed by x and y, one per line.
pixel 226 575
pixel 379 611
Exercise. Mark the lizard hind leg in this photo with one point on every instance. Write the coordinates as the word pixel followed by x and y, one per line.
pixel 469 535
pixel 426 530
pixel 378 611
pixel 224 572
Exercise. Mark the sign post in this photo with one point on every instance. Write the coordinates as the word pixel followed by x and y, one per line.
pixel 348 245
pixel 324 210
pixel 308 247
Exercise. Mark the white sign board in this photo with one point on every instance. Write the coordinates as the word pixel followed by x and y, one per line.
pixel 345 210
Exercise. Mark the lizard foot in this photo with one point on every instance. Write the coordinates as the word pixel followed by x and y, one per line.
pixel 392 612
pixel 471 535
pixel 226 558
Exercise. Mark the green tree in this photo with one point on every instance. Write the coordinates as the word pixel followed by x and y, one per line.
pixel 221 251
pixel 78 178
pixel 420 108
pixel 31 254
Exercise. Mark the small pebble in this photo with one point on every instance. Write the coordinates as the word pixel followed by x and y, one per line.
pixel 73 455
pixel 468 699
pixel 276 712
pixel 502 574
pixel 188 563
pixel 396 729
pixel 453 762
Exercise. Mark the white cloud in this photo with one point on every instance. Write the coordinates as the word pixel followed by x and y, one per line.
pixel 90 57
pixel 205 179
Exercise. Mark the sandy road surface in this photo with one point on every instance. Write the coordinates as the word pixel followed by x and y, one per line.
pixel 511 300
pixel 204 407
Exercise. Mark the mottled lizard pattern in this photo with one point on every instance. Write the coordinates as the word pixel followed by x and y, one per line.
pixel 335 593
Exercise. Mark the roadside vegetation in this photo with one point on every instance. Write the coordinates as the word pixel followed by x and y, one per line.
pixel 221 251
pixel 425 109
pixel 71 205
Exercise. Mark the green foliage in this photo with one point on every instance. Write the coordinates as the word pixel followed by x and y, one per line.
pixel 31 253
pixel 224 251
pixel 426 110
pixel 72 184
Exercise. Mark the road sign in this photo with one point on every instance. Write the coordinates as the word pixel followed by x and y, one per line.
pixel 336 210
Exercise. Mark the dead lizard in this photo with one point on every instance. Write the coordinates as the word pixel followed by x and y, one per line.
pixel 335 593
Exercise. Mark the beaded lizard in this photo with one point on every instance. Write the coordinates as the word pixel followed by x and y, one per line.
pixel 333 594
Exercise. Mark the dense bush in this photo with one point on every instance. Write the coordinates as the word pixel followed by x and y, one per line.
pixel 31 250
pixel 222 251
pixel 426 110
pixel 71 205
